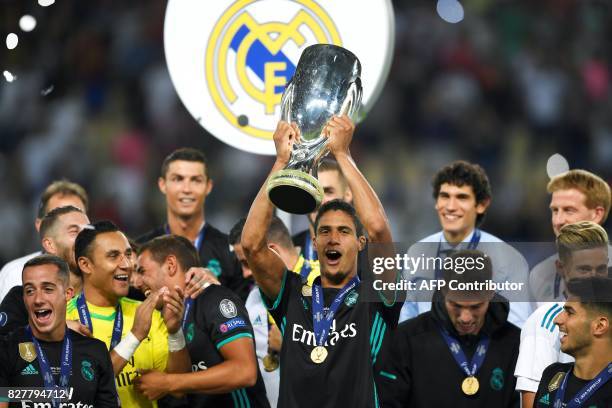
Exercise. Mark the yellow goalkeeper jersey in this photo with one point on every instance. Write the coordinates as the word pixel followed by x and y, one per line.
pixel 152 353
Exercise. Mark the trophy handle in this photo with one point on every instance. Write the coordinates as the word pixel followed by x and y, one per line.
pixel 352 102
pixel 286 102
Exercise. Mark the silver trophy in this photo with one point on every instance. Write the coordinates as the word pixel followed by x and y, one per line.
pixel 326 82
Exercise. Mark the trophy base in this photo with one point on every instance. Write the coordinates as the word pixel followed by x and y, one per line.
pixel 294 191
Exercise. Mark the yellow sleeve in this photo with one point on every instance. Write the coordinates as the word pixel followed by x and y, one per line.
pixel 159 338
pixel 71 310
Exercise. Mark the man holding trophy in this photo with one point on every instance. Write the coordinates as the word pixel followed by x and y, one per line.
pixel 328 329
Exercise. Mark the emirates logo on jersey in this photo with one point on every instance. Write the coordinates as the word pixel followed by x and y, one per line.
pixel 301 335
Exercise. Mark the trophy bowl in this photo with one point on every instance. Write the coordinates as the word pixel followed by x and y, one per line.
pixel 326 83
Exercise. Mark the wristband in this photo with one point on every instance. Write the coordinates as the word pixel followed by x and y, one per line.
pixel 176 341
pixel 127 346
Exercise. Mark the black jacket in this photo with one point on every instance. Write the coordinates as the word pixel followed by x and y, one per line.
pixel 215 254
pixel 418 369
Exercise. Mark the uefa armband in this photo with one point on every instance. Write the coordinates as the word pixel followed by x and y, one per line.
pixel 176 341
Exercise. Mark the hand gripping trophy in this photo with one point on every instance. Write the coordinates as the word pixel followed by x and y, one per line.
pixel 326 83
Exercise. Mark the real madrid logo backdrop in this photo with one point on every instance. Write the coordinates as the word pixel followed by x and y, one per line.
pixel 230 60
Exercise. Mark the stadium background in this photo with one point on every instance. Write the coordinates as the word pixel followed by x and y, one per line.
pixel 512 84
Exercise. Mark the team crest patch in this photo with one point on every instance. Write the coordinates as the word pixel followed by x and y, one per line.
pixel 351 298
pixel 214 266
pixel 556 381
pixel 190 333
pixel 228 308
pixel 306 290
pixel 27 351
pixel 87 370
pixel 497 379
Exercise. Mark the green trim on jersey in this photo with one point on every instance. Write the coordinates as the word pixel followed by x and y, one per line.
pixel 234 337
pixel 240 399
pixel 376 336
pixel 278 297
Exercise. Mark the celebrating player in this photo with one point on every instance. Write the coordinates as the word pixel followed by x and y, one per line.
pixel 46 353
pixel 327 353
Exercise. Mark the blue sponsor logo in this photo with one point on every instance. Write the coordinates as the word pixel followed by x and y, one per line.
pixel 232 324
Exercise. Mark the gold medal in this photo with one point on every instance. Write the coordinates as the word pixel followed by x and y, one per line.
pixel 306 290
pixel 318 354
pixel 470 385
pixel 270 362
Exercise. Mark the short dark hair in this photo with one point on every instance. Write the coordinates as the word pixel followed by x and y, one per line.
pixel 85 239
pixel 277 233
pixel 48 259
pixel 332 165
pixel 460 173
pixel 64 188
pixel 595 293
pixel 161 247
pixel 185 154
pixel 49 220
pixel 339 205
pixel 235 233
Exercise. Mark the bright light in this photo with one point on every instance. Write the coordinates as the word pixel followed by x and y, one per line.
pixel 9 77
pixel 450 11
pixel 45 3
pixel 11 41
pixel 27 23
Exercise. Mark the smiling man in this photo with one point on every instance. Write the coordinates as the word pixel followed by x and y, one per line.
pixel 582 253
pixel 328 329
pixel 461 353
pixel 462 195
pixel 46 353
pixel 577 195
pixel 58 230
pixel 219 335
pixel 133 331
pixel 586 334
pixel 185 182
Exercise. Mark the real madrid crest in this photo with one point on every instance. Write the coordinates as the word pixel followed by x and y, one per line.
pixel 27 351
pixel 230 60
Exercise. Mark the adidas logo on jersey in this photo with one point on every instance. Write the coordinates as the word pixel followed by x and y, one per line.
pixel 545 399
pixel 257 321
pixel 29 370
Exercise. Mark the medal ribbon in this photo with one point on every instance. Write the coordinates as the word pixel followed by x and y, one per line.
pixel 188 306
pixel 459 355
pixel 472 245
pixel 85 319
pixel 322 321
pixel 66 362
pixel 585 393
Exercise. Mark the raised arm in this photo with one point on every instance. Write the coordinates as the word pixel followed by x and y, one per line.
pixel 266 265
pixel 370 211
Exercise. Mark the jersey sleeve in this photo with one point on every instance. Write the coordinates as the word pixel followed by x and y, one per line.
pixel 394 376
pixel 225 317
pixel 13 313
pixel 537 351
pixel 106 392
pixel 159 338
pixel 278 307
